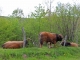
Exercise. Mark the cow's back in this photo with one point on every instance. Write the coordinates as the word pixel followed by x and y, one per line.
pixel 48 37
pixel 11 45
pixel 74 44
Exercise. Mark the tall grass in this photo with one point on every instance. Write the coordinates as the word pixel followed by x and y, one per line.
pixel 43 53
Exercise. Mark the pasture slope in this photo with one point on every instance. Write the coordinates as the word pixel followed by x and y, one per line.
pixel 44 53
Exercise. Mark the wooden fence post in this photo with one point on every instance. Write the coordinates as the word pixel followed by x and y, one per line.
pixel 65 39
pixel 24 37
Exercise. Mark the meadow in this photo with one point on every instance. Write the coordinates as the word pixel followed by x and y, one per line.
pixel 64 20
pixel 44 53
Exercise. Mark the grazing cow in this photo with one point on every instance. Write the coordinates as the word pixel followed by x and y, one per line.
pixel 70 44
pixel 13 44
pixel 50 38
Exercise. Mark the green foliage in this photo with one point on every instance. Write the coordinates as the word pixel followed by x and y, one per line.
pixel 9 29
pixel 39 12
pixel 67 20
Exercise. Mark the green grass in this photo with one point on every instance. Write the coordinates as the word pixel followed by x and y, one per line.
pixel 44 53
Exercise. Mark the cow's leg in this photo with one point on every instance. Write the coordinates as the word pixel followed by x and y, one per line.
pixel 49 44
pixel 55 45
pixel 41 43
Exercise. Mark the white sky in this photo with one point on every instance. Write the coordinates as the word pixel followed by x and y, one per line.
pixel 8 6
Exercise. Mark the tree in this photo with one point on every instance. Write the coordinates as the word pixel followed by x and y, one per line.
pixel 67 19
pixel 18 13
pixel 39 12
pixel 49 8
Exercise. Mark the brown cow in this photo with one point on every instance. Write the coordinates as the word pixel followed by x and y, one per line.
pixel 74 44
pixel 52 38
pixel 13 44
pixel 17 42
pixel 71 44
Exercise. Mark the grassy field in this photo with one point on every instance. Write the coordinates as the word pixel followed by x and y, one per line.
pixel 44 53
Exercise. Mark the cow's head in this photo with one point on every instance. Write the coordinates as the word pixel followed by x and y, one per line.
pixel 59 37
pixel 65 43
